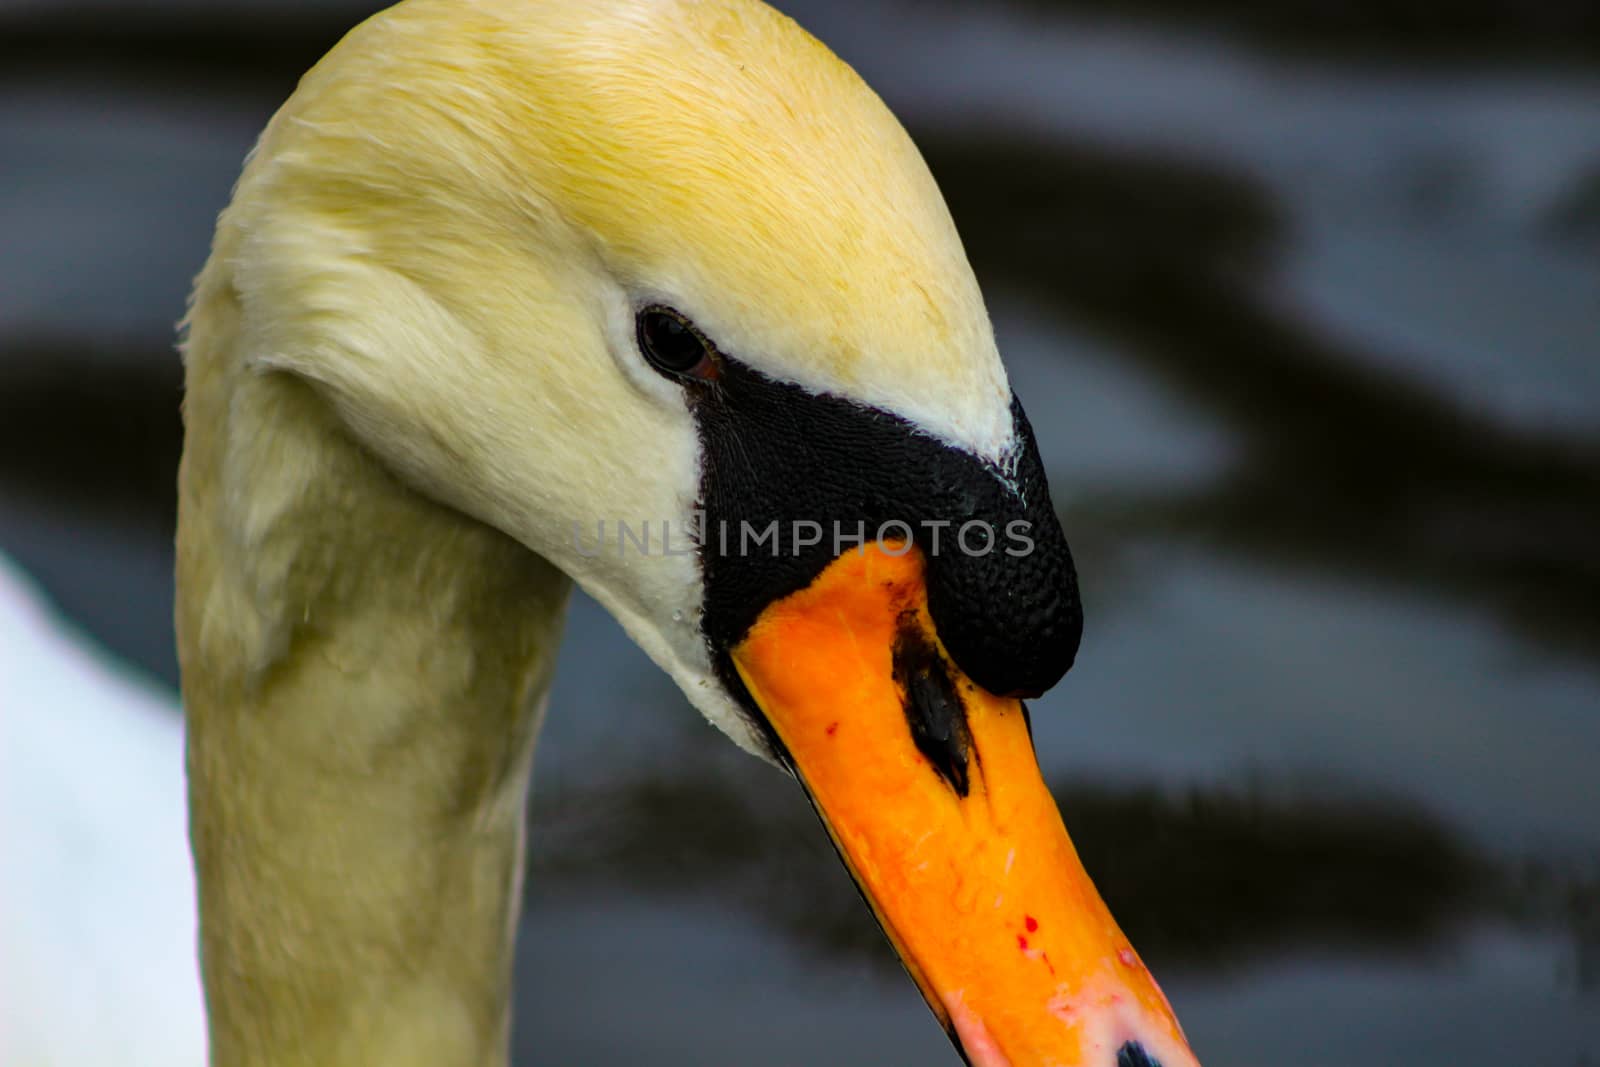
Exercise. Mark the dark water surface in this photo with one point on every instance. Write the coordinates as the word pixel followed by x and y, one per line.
pixel 1308 325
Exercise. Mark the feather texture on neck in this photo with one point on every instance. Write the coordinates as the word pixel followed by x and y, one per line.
pixel 363 676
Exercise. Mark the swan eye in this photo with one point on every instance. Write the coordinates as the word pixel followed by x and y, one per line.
pixel 672 344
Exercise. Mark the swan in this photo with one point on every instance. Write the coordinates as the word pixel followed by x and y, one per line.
pixel 505 275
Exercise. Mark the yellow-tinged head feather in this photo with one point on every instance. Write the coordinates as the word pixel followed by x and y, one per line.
pixel 711 154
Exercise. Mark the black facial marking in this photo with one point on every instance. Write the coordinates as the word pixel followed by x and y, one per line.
pixel 776 455
pixel 934 709
pixel 1133 1054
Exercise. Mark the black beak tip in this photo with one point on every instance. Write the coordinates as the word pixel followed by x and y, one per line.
pixel 1132 1054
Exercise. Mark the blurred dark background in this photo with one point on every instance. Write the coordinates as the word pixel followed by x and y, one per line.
pixel 1304 302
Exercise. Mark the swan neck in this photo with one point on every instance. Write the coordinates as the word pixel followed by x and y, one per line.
pixel 363 675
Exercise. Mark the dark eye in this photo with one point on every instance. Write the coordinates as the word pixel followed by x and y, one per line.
pixel 672 344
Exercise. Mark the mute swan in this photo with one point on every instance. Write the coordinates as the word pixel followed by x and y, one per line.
pixel 502 272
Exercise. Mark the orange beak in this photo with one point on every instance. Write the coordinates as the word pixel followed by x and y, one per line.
pixel 931 792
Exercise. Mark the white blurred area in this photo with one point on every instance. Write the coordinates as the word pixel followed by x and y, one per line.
pixel 97 924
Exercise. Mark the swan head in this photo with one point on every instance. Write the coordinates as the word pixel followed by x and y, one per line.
pixel 662 291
